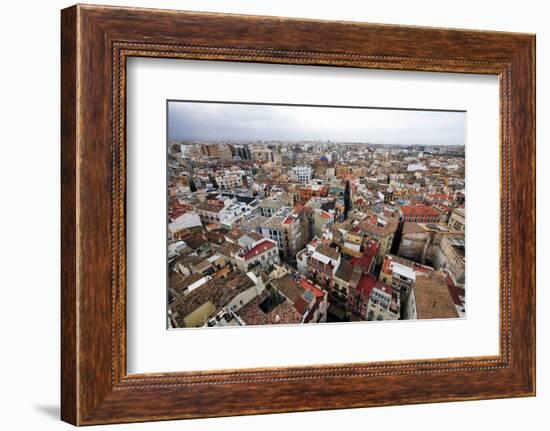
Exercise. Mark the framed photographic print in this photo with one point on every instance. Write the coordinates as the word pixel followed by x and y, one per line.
pixel 323 214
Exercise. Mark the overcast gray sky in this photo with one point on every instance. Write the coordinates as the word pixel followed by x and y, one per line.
pixel 220 121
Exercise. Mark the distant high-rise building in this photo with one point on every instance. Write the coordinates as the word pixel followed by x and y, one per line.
pixel 243 152
pixel 221 151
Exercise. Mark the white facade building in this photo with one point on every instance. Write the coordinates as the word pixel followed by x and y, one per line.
pixel 304 174
pixel 183 221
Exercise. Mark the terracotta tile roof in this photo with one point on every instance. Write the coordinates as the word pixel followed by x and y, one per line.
pixel 259 249
pixel 328 251
pixel 252 314
pixel 229 249
pixel 381 231
pixel 284 313
pixel 195 241
pixel 306 285
pixel 437 196
pixel 236 233
pixel 418 211
pixel 274 222
pixel 215 238
pixel 289 287
pixel 219 292
pixel 178 212
pixel 289 220
pixel 433 299
pixel 254 223
pixel 178 283
pixel 297 291
pixel 255 236
pixel 205 206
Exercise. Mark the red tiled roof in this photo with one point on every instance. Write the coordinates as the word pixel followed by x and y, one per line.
pixel 258 249
pixel 369 282
pixel 368 255
pixel 301 305
pixel 319 296
pixel 366 284
pixel 178 212
pixel 306 285
pixel 439 196
pixel 419 210
pixel 205 206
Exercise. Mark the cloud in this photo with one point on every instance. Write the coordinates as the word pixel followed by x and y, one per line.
pixel 238 121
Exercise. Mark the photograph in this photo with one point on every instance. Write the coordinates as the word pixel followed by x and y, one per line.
pixel 299 214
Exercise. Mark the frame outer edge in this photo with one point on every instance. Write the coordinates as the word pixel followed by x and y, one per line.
pixel 532 82
pixel 69 200
pixel 528 61
pixel 523 216
pixel 87 399
pixel 533 53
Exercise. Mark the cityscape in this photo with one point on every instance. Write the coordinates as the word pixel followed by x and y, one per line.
pixel 296 214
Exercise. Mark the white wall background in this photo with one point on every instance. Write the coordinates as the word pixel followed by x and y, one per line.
pixel 29 214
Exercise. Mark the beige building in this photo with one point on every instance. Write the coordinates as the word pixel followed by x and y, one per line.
pixel 457 220
pixel 382 229
pixel 209 213
pixel 289 229
pixel 229 180
pixel 453 256
pixel 418 240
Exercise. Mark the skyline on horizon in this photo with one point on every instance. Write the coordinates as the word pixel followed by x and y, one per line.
pixel 215 121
